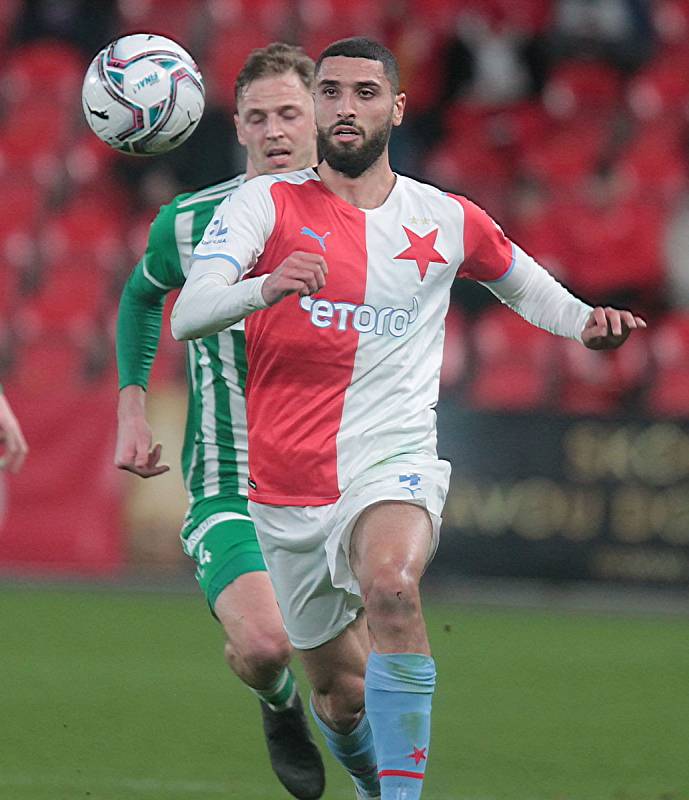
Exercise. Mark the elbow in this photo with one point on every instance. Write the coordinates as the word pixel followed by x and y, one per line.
pixel 181 331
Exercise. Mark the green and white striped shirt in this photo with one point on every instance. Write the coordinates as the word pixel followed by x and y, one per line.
pixel 214 455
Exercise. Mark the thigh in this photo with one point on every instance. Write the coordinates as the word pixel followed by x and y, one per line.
pixel 293 544
pixel 413 491
pixel 247 610
pixel 391 536
pixel 219 535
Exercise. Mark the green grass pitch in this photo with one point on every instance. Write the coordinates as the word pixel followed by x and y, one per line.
pixel 114 696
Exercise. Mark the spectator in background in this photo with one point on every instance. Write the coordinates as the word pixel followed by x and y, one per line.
pixel 80 22
pixel 617 31
pixel 13 448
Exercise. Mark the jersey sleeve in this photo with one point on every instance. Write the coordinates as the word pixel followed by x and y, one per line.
pixel 239 230
pixel 139 321
pixel 161 264
pixel 139 317
pixel 488 253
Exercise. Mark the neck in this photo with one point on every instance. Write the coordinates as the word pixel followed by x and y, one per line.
pixel 369 190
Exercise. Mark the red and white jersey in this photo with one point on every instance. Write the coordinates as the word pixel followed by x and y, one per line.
pixel 348 378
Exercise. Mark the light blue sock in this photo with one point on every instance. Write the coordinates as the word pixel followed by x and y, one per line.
pixel 399 693
pixel 355 751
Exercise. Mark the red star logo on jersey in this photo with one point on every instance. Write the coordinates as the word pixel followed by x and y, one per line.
pixel 422 250
pixel 418 755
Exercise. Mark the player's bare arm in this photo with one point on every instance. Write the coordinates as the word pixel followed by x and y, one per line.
pixel 300 273
pixel 608 328
pixel 135 451
pixel 13 447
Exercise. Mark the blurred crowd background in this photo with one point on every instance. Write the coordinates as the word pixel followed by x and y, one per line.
pixel 567 120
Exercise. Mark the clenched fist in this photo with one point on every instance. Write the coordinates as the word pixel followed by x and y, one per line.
pixel 300 273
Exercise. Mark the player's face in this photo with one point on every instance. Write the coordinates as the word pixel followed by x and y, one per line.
pixel 275 122
pixel 356 109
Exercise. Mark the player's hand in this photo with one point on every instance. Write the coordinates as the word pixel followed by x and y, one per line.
pixel 13 447
pixel 300 273
pixel 607 328
pixel 134 451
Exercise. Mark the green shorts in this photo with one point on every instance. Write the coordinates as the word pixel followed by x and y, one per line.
pixel 219 535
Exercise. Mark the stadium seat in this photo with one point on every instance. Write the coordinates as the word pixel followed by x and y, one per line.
pixel 601 383
pixel 613 239
pixel 88 160
pixel 535 224
pixel 513 368
pixel 654 162
pixel 20 204
pixel 46 363
pixel 571 151
pixel 668 395
pixel 661 86
pixel 72 295
pixel 226 55
pixel 87 232
pixel 9 11
pixel 582 87
pixel 176 19
pixel 8 289
pixel 47 69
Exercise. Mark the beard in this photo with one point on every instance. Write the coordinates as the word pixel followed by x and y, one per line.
pixel 350 158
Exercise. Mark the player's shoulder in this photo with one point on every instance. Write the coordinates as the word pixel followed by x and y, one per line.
pixel 264 183
pixel 428 192
pixel 200 201
pixel 431 197
pixel 209 195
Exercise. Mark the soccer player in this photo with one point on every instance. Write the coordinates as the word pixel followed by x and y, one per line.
pixel 343 274
pixel 14 447
pixel 275 122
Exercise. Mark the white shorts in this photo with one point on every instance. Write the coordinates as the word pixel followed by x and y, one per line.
pixel 306 548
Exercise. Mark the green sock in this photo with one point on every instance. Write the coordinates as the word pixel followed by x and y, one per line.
pixel 280 696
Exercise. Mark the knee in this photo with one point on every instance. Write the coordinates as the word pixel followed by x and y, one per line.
pixel 260 651
pixel 392 593
pixel 341 704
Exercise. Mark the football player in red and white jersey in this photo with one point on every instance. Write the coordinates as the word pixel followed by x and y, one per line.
pixel 343 274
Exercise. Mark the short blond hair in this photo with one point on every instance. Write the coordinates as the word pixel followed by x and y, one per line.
pixel 275 59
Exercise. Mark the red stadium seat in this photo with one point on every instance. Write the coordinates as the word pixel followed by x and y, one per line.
pixel 654 163
pixel 668 395
pixel 601 383
pixel 51 70
pixel 661 86
pixel 46 363
pixel 172 18
pixel 226 56
pixel 73 295
pixel 514 363
pixel 88 160
pixel 20 204
pixel 582 87
pixel 535 224
pixel 568 154
pixel 614 244
pixel 9 10
pixel 87 232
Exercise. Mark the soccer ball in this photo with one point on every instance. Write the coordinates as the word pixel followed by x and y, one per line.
pixel 143 94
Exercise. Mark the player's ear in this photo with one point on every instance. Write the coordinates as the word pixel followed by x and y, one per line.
pixel 399 103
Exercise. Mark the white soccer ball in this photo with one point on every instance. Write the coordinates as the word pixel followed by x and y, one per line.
pixel 143 94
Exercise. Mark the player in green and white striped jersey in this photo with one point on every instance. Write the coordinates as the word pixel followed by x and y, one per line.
pixel 275 123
